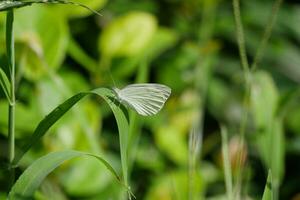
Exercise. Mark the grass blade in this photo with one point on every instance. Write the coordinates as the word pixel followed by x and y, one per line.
pixel 33 176
pixel 268 194
pixel 59 111
pixel 54 116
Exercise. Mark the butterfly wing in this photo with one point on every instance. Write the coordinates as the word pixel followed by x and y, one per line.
pixel 146 99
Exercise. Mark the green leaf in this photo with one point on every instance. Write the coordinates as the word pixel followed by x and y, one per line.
pixel 41 50
pixel 59 111
pixel 264 99
pixel 33 176
pixel 128 35
pixel 5 84
pixel 272 151
pixel 162 40
pixel 268 195
pixel 270 137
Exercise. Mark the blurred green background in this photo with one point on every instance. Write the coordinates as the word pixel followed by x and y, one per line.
pixel 191 47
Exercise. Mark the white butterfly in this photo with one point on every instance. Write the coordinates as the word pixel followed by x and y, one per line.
pixel 146 98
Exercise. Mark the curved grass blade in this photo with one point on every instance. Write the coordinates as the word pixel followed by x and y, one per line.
pixel 33 176
pixel 5 84
pixel 9 4
pixel 53 117
pixel 58 112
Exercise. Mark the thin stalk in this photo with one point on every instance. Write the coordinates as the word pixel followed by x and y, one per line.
pixel 247 76
pixel 248 71
pixel 11 108
pixel 226 163
pixel 267 34
pixel 240 37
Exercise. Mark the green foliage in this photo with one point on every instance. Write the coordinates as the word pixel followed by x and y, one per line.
pixel 191 46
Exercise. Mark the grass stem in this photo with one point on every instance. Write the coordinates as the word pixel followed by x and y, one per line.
pixel 226 163
pixel 11 63
pixel 267 34
pixel 247 75
pixel 248 72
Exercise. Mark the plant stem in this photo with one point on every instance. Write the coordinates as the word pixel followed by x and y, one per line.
pixel 11 63
pixel 226 163
pixel 247 76
pixel 240 37
pixel 247 73
pixel 267 34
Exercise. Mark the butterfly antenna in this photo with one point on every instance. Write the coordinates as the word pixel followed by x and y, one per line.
pixel 112 78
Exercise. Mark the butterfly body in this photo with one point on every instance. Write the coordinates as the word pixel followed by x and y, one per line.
pixel 146 98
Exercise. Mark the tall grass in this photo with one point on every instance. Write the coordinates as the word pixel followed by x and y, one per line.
pixel 248 71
